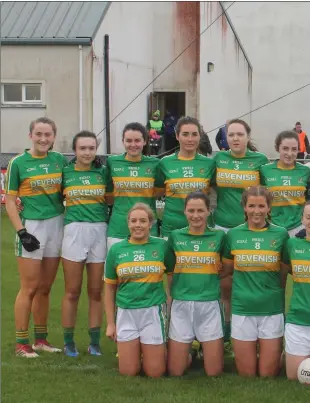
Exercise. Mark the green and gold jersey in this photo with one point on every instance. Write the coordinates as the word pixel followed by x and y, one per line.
pixel 297 254
pixel 233 176
pixel 37 182
pixel 138 270
pixel 130 182
pixel 180 177
pixel 84 194
pixel 256 255
pixel 288 187
pixel 195 261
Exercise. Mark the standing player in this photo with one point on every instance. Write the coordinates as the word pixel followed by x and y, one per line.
pixel 253 253
pixel 194 257
pixel 130 179
pixel 287 180
pixel 84 241
pixel 236 170
pixel 134 274
pixel 182 173
pixel 297 328
pixel 35 177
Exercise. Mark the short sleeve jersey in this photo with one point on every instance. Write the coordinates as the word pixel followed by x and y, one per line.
pixel 180 177
pixel 84 194
pixel 130 183
pixel 195 261
pixel 256 256
pixel 37 182
pixel 288 187
pixel 298 256
pixel 138 270
pixel 233 176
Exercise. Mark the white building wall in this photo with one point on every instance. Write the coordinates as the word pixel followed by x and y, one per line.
pixel 276 38
pixel 58 68
pixel 225 93
pixel 129 26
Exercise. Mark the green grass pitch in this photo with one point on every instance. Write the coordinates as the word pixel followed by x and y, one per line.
pixel 56 378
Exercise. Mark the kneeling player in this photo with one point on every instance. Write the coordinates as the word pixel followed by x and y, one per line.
pixel 253 253
pixel 297 328
pixel 84 239
pixel 134 283
pixel 194 255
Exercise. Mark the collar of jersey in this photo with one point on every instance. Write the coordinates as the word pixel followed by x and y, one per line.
pixel 82 170
pixel 133 159
pixel 200 233
pixel 32 156
pixel 137 243
pixel 259 229
pixel 238 158
pixel 185 159
pixel 280 166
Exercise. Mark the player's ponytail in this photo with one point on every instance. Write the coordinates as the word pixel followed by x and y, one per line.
pixel 257 191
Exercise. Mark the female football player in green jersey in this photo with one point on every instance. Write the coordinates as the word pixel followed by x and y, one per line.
pixel 194 256
pixel 130 179
pixel 182 173
pixel 287 180
pixel 253 253
pixel 134 283
pixel 297 328
pixel 84 241
pixel 35 177
pixel 236 170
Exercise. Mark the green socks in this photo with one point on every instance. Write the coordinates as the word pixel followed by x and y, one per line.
pixel 94 334
pixel 68 335
pixel 40 332
pixel 22 337
pixel 227 331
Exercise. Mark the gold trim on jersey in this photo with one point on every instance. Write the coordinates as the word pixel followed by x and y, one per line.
pixel 230 178
pixel 41 185
pixel 140 272
pixel 197 262
pixel 287 195
pixel 181 187
pixel 256 260
pixel 301 271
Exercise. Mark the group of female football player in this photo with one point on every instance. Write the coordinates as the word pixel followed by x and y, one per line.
pixel 226 269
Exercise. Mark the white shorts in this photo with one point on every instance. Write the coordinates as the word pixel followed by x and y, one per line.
pixel 293 232
pixel 85 241
pixel 49 232
pixel 251 328
pixel 297 339
pixel 222 228
pixel 190 320
pixel 148 324
pixel 112 241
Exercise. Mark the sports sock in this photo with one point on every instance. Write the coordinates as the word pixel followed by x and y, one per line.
pixel 22 336
pixel 68 335
pixel 94 334
pixel 40 332
pixel 227 331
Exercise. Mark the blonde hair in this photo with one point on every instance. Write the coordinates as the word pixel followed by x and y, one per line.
pixel 257 191
pixel 143 207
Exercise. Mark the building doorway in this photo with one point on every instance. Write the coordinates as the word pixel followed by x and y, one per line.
pixel 168 102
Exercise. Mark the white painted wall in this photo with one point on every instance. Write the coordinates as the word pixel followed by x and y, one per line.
pixel 129 26
pixel 276 38
pixel 225 93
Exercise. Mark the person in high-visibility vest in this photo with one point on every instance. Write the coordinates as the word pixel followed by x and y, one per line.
pixel 304 145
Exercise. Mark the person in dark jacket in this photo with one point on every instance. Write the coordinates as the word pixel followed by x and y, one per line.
pixel 221 138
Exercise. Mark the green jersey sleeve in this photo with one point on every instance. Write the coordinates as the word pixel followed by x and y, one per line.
pixel 226 248
pixel 159 177
pixel 110 275
pixel 108 179
pixel 170 256
pixel 285 250
pixel 12 182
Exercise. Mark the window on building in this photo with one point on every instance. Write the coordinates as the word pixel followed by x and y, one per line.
pixel 19 93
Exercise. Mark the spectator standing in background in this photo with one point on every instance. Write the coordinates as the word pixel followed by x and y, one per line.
pixel 304 145
pixel 170 121
pixel 221 138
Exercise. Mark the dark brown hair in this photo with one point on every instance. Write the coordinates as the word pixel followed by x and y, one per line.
pixel 286 134
pixel 187 120
pixel 247 128
pixel 136 126
pixel 83 134
pixel 257 191
pixel 198 195
pixel 44 120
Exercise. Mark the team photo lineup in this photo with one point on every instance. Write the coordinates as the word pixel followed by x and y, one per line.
pixel 195 282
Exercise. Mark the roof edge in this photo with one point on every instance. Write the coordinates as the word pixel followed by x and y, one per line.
pixel 102 18
pixel 45 41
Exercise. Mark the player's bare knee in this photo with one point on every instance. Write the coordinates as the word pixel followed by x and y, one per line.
pixel 95 294
pixel 129 371
pixel 73 295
